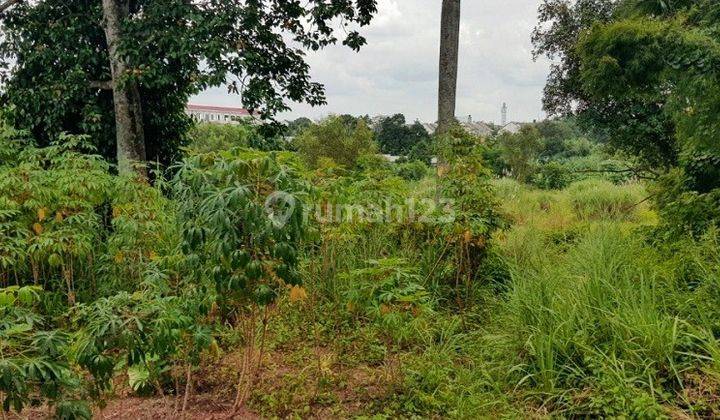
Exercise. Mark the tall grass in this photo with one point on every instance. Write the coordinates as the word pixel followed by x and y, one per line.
pixel 600 199
pixel 598 316
pixel 584 201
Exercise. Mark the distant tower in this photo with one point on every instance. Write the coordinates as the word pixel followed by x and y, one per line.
pixel 503 115
pixel 469 119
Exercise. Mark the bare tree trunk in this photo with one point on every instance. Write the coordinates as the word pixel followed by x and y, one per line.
pixel 447 86
pixel 126 95
pixel 449 46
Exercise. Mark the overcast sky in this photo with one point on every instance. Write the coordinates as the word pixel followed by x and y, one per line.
pixel 396 72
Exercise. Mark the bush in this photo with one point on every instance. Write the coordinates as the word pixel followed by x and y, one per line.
pixel 390 292
pixel 395 137
pixel 373 163
pixel 206 137
pixel 683 210
pixel 333 139
pixel 423 151
pixel 520 152
pixel 411 171
pixel 552 176
pixel 242 221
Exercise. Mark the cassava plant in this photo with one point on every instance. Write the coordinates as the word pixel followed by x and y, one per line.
pixel 242 221
pixel 49 225
pixel 473 217
pixel 34 363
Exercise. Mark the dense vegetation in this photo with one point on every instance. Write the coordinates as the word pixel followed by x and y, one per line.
pixel 453 296
pixel 567 270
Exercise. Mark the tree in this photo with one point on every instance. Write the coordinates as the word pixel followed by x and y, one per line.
pixel 122 70
pixel 520 151
pixel 635 124
pixel 449 46
pixel 332 139
pixel 297 126
pixel 129 130
pixel 647 73
pixel 395 137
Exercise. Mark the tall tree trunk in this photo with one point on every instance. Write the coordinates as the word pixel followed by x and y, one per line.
pixel 126 95
pixel 447 86
pixel 449 46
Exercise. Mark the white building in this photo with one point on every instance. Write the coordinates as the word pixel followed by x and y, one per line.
pixel 217 114
pixel 512 128
pixel 477 128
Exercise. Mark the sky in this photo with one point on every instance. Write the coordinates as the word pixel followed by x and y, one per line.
pixel 396 72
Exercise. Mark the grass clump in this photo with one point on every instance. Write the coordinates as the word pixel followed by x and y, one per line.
pixel 599 199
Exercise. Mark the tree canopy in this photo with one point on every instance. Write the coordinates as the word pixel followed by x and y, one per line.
pixel 647 74
pixel 395 137
pixel 56 64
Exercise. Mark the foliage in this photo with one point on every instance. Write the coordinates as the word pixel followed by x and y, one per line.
pixel 601 199
pixel 552 176
pixel 175 49
pixel 241 222
pixel 295 127
pixel 520 151
pixel 389 291
pixel 34 361
pixel 411 171
pixel 422 151
pixel 465 187
pixel 121 264
pixel 556 134
pixel 332 139
pixel 634 123
pixel 679 51
pixel 645 74
pixel 49 222
pixel 633 340
pixel 449 312
pixel 395 137
pixel 208 137
pixel 684 210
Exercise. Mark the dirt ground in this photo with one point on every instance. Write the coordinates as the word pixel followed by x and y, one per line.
pixel 202 407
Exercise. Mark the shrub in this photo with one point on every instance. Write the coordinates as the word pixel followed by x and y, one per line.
pixel 683 210
pixel 373 163
pixel 552 176
pixel 464 184
pixel 395 137
pixel 411 171
pixel 520 151
pixel 241 222
pixel 423 151
pixel 390 292
pixel 48 218
pixel 34 361
pixel 333 139
pixel 207 137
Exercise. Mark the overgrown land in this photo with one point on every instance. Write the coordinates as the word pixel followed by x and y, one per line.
pixel 569 269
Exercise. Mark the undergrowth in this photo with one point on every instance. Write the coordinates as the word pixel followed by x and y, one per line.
pixel 524 303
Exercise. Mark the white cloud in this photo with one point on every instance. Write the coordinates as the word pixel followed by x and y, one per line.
pixel 397 70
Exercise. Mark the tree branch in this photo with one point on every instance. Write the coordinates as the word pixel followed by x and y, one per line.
pixel 101 84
